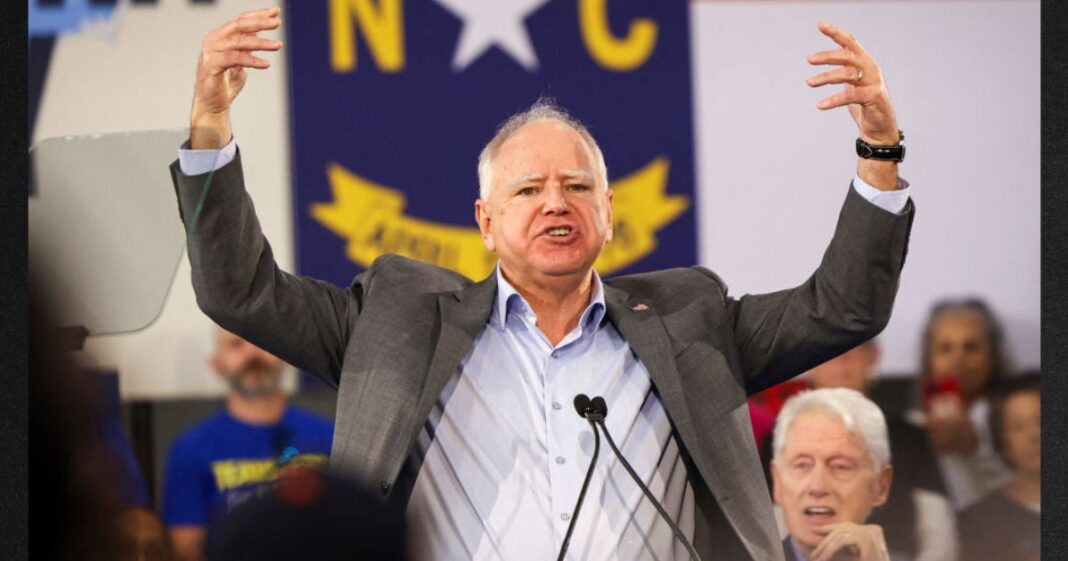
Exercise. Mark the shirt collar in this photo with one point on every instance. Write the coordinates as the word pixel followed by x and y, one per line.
pixel 509 299
pixel 797 552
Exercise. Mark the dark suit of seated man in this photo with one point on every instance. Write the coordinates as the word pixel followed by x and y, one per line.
pixel 454 395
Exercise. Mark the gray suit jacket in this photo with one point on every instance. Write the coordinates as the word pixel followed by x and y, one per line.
pixel 391 340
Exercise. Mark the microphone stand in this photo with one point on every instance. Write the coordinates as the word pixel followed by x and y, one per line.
pixel 582 405
pixel 600 412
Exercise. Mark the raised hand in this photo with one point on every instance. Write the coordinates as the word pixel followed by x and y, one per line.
pixel 224 56
pixel 866 96
pixel 865 90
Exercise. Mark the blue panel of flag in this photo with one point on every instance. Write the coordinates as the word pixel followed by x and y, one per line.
pixel 392 101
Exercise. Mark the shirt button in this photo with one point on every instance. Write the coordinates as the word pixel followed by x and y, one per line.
pixel 557 406
pixel 560 459
pixel 565 517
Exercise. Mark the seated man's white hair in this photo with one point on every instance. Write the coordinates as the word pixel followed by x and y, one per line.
pixel 544 109
pixel 857 413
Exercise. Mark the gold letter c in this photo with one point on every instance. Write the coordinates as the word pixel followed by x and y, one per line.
pixel 620 55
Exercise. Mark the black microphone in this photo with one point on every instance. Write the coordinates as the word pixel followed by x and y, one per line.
pixel 585 410
pixel 582 404
pixel 598 406
pixel 600 411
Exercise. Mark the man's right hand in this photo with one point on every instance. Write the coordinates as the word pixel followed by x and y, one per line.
pixel 224 56
pixel 847 541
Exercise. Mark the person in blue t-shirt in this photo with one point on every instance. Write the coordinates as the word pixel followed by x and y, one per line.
pixel 230 457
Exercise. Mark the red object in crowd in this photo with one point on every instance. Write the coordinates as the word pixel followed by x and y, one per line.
pixel 764 408
pixel 942 398
pixel 763 420
pixel 775 396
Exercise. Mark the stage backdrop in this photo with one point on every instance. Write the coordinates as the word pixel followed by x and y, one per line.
pixel 373 115
pixel 392 101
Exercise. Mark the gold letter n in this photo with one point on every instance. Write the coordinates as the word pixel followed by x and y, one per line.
pixel 383 31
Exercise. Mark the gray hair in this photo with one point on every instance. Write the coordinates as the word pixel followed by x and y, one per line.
pixel 544 109
pixel 859 414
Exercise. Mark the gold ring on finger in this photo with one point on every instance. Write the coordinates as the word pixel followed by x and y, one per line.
pixel 860 76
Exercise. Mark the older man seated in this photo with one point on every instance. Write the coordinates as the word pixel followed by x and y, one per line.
pixel 830 468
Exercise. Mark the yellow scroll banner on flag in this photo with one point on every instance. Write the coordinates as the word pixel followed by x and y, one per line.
pixel 371 217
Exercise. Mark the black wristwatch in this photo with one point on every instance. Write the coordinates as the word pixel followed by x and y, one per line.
pixel 895 153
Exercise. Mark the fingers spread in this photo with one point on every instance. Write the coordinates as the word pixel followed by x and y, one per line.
pixel 837 100
pixel 846 75
pixel 837 56
pixel 249 43
pixel 838 35
pixel 221 61
pixel 252 24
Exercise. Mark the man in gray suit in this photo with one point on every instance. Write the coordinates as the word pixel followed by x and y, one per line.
pixel 454 396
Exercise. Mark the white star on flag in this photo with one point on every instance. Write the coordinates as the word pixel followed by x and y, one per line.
pixel 489 23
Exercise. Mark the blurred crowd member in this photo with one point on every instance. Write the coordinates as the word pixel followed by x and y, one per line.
pixel 73 483
pixel 831 467
pixel 312 515
pixel 133 489
pixel 963 359
pixel 229 457
pixel 141 536
pixel 918 519
pixel 1006 524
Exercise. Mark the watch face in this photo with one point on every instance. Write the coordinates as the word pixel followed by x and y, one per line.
pixel 864 149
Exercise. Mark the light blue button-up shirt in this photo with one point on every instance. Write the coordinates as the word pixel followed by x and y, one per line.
pixel 500 476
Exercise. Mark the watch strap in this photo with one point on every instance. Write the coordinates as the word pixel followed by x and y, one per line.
pixel 894 153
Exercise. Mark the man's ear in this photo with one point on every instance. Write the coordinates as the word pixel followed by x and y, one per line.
pixel 482 217
pixel 885 479
pixel 609 232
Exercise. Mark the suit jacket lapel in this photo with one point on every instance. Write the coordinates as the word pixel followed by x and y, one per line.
pixel 464 315
pixel 644 331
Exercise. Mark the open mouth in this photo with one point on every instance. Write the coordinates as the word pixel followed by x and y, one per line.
pixel 819 513
pixel 560 233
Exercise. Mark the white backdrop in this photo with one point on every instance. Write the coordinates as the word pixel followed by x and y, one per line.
pixel 135 72
pixel 772 169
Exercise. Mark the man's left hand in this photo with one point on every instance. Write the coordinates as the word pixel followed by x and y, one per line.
pixel 851 542
pixel 865 91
